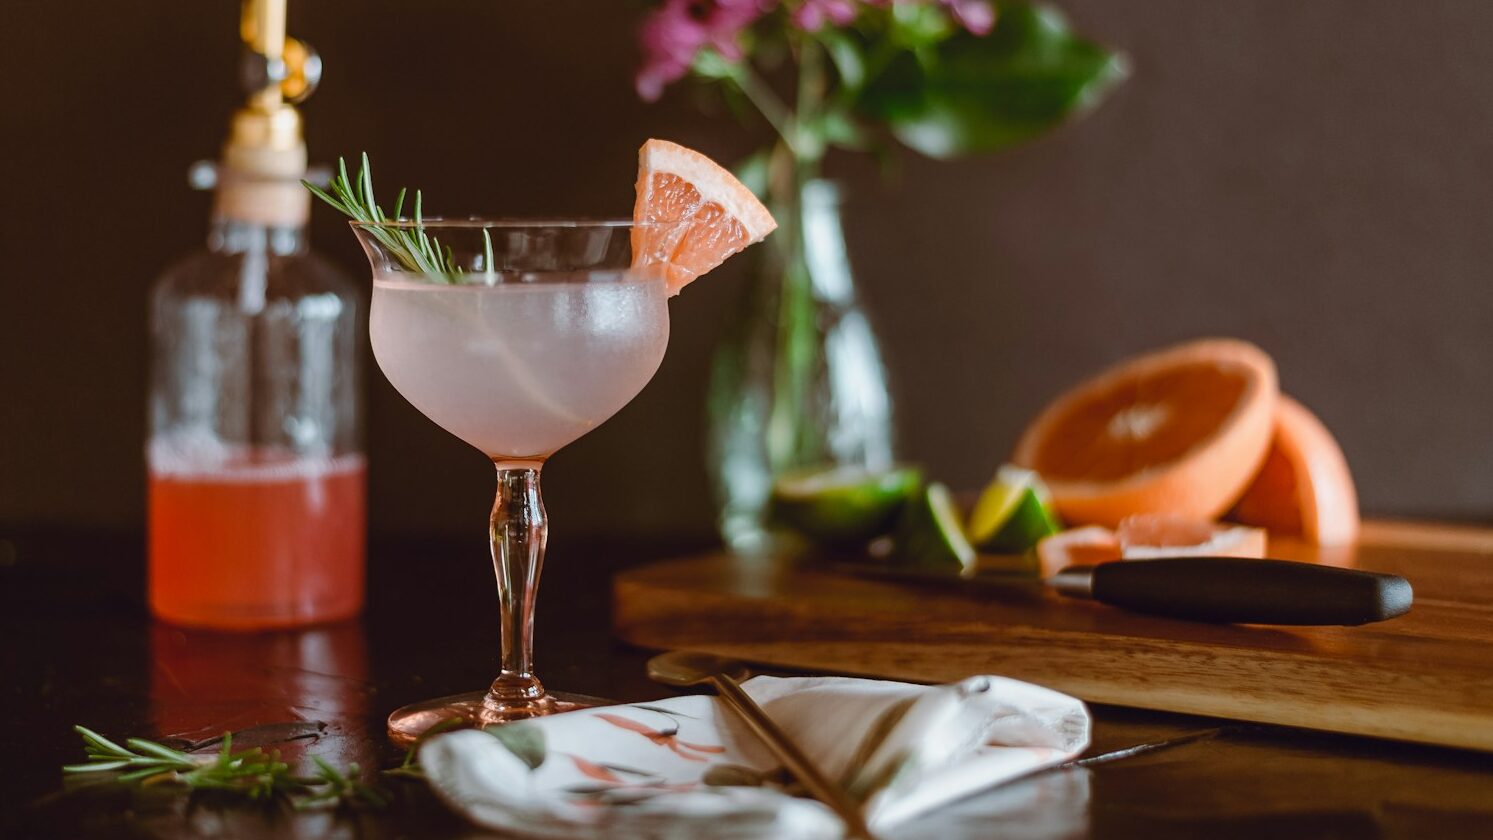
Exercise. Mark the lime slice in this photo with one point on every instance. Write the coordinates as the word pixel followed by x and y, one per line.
pixel 930 536
pixel 1013 513
pixel 839 505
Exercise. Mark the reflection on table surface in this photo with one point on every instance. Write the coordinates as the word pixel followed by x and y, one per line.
pixel 302 690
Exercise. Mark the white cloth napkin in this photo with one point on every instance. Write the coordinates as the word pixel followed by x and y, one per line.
pixel 686 767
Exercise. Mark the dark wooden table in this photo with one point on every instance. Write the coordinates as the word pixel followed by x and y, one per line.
pixel 76 646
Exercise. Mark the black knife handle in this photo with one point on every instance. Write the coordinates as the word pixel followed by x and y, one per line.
pixel 1237 590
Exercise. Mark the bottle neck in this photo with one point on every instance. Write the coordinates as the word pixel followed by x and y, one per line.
pixel 236 236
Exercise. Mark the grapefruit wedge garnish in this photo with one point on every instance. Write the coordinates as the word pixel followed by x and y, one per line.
pixel 691 213
pixel 1180 431
pixel 1304 487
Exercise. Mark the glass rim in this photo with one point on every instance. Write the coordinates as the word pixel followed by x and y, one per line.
pixel 507 223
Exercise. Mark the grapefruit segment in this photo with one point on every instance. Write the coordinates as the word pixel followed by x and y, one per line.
pixel 1087 546
pixel 1181 431
pixel 1304 487
pixel 1150 536
pixel 691 213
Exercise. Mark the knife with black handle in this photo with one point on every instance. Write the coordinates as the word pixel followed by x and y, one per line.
pixel 1234 590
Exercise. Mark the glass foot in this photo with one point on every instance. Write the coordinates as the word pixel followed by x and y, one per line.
pixel 477 710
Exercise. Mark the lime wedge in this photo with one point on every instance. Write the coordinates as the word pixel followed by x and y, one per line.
pixel 840 505
pixel 1013 513
pixel 930 536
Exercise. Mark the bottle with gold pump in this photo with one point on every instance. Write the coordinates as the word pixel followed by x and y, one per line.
pixel 256 469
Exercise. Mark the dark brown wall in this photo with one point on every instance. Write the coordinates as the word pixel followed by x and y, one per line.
pixel 1312 176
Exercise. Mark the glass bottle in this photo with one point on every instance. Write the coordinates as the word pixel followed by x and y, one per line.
pixel 799 381
pixel 256 469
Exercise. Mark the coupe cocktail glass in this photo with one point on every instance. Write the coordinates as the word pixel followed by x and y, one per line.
pixel 545 333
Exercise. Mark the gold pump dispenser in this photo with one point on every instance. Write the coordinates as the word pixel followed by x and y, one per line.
pixel 264 158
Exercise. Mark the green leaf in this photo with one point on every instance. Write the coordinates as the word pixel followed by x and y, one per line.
pixel 252 774
pixel 96 766
pixel 413 249
pixel 99 742
pixel 973 94
pixel 845 51
pixel 915 25
pixel 330 773
pixel 838 127
pixel 524 740
pixel 709 64
pixel 321 194
pixel 147 773
pixel 752 171
pixel 141 745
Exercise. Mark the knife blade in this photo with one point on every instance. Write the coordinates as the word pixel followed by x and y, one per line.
pixel 1219 590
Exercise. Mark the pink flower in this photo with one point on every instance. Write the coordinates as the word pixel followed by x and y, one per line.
pixel 814 14
pixel 725 20
pixel 977 16
pixel 675 33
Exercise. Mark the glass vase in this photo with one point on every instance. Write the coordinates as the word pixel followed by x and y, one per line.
pixel 799 379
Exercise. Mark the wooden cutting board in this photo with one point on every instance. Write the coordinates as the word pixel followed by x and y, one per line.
pixel 1426 677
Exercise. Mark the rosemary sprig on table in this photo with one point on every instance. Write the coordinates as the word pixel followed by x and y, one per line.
pixel 254 774
pixel 411 246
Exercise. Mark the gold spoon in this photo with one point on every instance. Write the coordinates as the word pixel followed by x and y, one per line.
pixel 685 668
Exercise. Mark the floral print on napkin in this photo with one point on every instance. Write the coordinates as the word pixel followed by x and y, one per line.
pixel 686 767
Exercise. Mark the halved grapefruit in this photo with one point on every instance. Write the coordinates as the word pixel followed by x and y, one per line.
pixel 691 212
pixel 1180 431
pixel 1304 486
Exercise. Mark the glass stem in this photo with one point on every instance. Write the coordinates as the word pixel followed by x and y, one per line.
pixel 518 530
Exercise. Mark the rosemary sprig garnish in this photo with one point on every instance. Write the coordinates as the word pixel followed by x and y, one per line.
pixel 254 774
pixel 411 246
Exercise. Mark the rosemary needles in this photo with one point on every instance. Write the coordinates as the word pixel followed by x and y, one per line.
pixel 254 774
pixel 415 249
